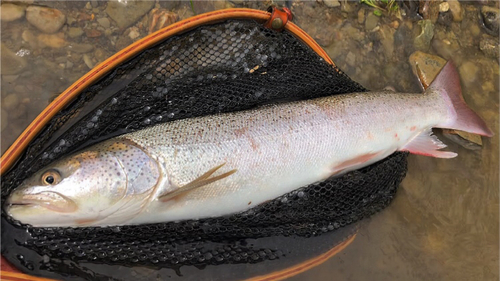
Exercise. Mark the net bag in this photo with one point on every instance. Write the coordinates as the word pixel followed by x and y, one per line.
pixel 197 67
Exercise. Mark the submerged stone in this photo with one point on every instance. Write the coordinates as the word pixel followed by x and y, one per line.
pixel 46 20
pixel 127 13
pixel 11 63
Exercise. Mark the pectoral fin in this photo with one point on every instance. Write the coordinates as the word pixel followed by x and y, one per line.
pixel 198 182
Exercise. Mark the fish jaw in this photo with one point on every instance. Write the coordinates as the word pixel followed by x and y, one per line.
pixel 51 200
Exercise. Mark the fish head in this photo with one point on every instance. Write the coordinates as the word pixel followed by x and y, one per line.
pixel 74 190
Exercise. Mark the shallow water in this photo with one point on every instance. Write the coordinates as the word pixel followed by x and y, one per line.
pixel 443 224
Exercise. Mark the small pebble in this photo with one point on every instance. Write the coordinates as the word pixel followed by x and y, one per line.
pixel 30 38
pixel 361 16
pixel 371 22
pixel 468 71
pixel 74 32
pixel 134 33
pixel 104 22
pixel 93 33
pixel 444 7
pixel 88 61
pixel 456 10
pixel 350 59
pixel 52 40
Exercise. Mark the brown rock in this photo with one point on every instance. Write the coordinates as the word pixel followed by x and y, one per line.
pixel 11 12
pixel 456 10
pixel 52 40
pixel 466 140
pixel 46 20
pixel 93 33
pixel 426 66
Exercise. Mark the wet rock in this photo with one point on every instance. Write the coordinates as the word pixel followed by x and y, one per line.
pixel 491 19
pixel 74 32
pixel 100 55
pixel 160 18
pixel 489 46
pixel 80 48
pixel 122 42
pixel 394 24
pixel 52 40
pixel 428 66
pixel 361 16
pixel 134 33
pixel 371 21
pixel 46 20
pixel 127 13
pixel 92 33
pixel 466 140
pixel 422 42
pixel 5 119
pixel 468 72
pixel 456 10
pixel 87 59
pixel 347 7
pixel 350 59
pixel 10 102
pixel 430 10
pixel 444 7
pixel 331 3
pixel 30 38
pixel 11 12
pixel 70 20
pixel 387 41
pixel 10 62
pixel 445 18
pixel 104 22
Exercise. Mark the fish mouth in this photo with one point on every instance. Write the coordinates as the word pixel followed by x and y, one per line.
pixel 51 200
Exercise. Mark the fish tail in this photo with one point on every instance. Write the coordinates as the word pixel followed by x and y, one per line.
pixel 461 117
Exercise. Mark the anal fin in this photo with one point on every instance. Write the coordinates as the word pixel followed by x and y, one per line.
pixel 428 144
pixel 198 182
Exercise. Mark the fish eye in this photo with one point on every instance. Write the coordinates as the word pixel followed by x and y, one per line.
pixel 51 177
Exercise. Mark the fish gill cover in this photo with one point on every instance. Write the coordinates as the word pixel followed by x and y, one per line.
pixel 223 67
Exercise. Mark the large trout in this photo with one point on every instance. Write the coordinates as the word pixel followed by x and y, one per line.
pixel 227 163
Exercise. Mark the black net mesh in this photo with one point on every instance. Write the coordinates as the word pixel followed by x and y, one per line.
pixel 233 65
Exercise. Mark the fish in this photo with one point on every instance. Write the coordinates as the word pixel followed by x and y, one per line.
pixel 227 163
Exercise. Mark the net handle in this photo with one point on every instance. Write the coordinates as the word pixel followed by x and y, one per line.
pixel 16 149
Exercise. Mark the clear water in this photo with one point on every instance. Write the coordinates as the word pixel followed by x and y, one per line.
pixel 443 224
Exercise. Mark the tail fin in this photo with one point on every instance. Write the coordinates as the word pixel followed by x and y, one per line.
pixel 447 84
